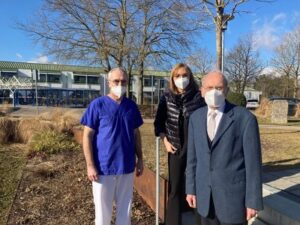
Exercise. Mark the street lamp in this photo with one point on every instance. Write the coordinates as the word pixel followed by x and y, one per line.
pixel 225 20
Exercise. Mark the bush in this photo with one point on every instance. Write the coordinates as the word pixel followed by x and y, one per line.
pixel 7 130
pixel 50 142
pixel 236 98
pixel 298 111
pixel 264 109
pixel 29 127
pixel 62 121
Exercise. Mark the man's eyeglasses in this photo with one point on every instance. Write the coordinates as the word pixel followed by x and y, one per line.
pixel 219 88
pixel 116 82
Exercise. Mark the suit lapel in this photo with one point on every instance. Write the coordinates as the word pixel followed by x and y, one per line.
pixel 203 123
pixel 225 123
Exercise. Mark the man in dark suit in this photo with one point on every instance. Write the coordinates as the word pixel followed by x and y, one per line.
pixel 223 174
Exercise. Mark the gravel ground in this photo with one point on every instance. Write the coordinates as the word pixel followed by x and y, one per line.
pixel 54 190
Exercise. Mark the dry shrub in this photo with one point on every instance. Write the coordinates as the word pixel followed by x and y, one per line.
pixel 264 109
pixel 6 108
pixel 28 127
pixel 66 123
pixel 51 115
pixel 298 111
pixel 7 130
pixel 62 121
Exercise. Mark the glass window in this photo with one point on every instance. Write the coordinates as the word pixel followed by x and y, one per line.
pixel 53 78
pixel 93 80
pixel 162 83
pixel 147 81
pixel 42 78
pixel 79 79
pixel 8 74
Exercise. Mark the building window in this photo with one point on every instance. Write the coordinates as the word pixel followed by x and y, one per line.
pixel 42 78
pixel 147 82
pixel 79 79
pixel 53 78
pixel 93 80
pixel 8 74
pixel 162 83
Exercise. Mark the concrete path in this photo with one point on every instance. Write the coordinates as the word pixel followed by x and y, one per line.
pixel 286 182
pixel 281 191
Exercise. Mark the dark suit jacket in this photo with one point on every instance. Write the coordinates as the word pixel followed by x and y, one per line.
pixel 229 168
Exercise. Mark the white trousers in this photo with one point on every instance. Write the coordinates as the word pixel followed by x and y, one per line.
pixel 109 189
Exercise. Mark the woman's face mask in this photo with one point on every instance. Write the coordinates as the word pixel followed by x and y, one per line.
pixel 182 82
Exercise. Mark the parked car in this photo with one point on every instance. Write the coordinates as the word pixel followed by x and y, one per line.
pixel 252 104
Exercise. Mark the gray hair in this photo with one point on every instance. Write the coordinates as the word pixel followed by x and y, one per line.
pixel 121 69
pixel 218 72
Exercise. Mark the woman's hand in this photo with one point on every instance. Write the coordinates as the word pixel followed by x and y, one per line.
pixel 169 147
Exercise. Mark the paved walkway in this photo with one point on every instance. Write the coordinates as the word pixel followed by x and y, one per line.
pixel 281 191
pixel 284 182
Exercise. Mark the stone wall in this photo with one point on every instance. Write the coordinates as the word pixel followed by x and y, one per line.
pixel 279 112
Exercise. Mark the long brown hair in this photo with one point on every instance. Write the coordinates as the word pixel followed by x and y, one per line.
pixel 174 71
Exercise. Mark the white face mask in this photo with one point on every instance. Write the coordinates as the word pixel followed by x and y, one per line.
pixel 118 90
pixel 214 98
pixel 182 82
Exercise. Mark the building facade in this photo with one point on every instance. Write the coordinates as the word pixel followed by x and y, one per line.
pixel 65 85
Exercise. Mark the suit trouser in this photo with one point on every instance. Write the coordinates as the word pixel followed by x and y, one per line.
pixel 109 189
pixel 177 203
pixel 212 219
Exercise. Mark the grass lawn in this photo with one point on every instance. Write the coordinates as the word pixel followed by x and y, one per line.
pixel 12 162
pixel 280 149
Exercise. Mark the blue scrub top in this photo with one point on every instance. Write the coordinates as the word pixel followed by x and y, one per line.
pixel 113 142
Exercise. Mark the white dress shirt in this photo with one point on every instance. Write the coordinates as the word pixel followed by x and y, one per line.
pixel 218 118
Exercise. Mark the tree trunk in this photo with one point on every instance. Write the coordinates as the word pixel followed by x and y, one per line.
pixel 295 87
pixel 140 87
pixel 219 47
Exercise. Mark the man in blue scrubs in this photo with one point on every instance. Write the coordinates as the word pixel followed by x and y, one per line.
pixel 111 142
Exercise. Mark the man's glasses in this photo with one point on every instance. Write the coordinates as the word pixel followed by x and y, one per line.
pixel 116 82
pixel 219 88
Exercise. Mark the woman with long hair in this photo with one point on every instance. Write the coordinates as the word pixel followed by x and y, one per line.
pixel 171 125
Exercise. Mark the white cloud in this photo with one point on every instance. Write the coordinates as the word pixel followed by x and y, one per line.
pixel 267 34
pixel 279 17
pixel 40 59
pixel 19 56
pixel 270 71
pixel 295 17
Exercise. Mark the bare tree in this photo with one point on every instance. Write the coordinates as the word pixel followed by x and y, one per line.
pixel 201 61
pixel 163 33
pixel 222 11
pixel 242 64
pixel 271 85
pixel 110 33
pixel 287 60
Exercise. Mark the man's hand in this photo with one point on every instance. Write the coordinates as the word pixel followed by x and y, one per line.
pixel 92 173
pixel 139 167
pixel 250 213
pixel 170 148
pixel 191 199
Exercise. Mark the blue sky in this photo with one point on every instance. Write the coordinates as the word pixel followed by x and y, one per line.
pixel 267 22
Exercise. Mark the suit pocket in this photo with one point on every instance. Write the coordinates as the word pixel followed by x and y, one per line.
pixel 240 177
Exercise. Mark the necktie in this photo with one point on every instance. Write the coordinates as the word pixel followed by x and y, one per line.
pixel 211 125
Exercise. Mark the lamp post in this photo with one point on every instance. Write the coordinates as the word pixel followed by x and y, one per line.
pixel 225 20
